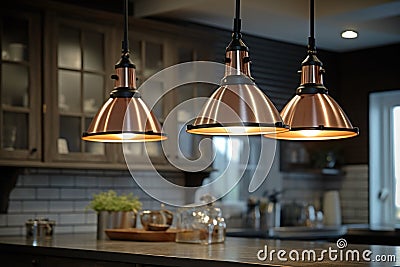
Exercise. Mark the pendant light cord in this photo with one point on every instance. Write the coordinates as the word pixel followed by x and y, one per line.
pixel 237 24
pixel 311 39
pixel 125 44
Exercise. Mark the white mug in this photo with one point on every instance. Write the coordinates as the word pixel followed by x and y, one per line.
pixel 331 208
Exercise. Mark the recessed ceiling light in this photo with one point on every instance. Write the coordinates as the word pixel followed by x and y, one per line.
pixel 349 34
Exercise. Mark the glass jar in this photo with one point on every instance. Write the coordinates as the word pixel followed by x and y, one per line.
pixel 200 225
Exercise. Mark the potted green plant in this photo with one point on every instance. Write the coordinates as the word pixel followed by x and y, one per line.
pixel 114 211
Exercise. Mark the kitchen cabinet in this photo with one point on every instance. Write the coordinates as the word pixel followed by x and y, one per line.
pixel 77 85
pixel 20 86
pixel 184 149
pixel 314 158
pixel 153 52
pixel 149 53
pixel 29 260
pixel 51 90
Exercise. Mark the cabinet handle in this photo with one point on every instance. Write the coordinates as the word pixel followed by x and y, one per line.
pixel 35 263
pixel 33 151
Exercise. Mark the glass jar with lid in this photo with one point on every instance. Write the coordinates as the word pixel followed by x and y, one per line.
pixel 201 224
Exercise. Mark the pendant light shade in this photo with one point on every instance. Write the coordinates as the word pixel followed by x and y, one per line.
pixel 238 106
pixel 312 114
pixel 124 117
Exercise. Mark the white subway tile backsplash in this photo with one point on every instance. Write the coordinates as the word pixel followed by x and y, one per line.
pixel 86 181
pixel 81 205
pixel 14 206
pixel 92 191
pixel 354 194
pixel 63 229
pixel 61 206
pixel 50 216
pixel 11 231
pixel 124 181
pixel 72 218
pixel 22 193
pixel 48 193
pixel 91 218
pixel 61 181
pixel 85 228
pixel 63 196
pixel 3 219
pixel 73 193
pixel 35 206
pixel 19 219
pixel 36 180
pixel 106 182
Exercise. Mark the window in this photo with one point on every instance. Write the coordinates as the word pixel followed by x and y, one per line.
pixel 384 159
pixel 396 141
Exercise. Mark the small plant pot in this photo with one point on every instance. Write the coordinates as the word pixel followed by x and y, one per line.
pixel 114 220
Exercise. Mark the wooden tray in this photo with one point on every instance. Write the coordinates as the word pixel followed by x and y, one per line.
pixel 137 234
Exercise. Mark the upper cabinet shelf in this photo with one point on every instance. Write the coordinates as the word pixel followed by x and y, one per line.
pixel 311 158
pixel 20 86
pixel 56 67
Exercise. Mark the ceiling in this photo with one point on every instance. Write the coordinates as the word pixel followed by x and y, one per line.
pixel 377 21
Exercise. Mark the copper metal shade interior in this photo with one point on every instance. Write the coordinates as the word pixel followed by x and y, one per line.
pixel 237 109
pixel 312 114
pixel 124 120
pixel 315 117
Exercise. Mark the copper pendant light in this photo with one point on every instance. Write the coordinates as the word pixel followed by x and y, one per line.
pixel 124 117
pixel 312 114
pixel 238 106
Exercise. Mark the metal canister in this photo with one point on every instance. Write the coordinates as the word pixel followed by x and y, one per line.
pixel 39 229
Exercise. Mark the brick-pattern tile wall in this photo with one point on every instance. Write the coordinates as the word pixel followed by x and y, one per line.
pixel 352 187
pixel 63 195
pixel 354 194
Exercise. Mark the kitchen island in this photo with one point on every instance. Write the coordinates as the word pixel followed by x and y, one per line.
pixel 84 250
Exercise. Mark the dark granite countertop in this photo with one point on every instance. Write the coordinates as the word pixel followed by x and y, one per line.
pixel 355 234
pixel 233 252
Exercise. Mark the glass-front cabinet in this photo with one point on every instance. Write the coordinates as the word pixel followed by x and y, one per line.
pixel 55 73
pixel 148 53
pixel 80 84
pixel 20 66
pixel 193 152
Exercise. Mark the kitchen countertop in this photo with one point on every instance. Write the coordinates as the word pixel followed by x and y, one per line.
pixel 355 234
pixel 233 252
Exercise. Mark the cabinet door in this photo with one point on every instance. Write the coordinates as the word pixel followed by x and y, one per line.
pixel 148 53
pixel 20 260
pixel 79 77
pixel 188 99
pixel 20 86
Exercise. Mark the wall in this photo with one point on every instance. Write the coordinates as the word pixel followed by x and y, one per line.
pixel 362 72
pixel 352 187
pixel 63 195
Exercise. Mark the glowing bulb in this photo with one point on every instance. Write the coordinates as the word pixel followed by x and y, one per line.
pixel 310 133
pixel 237 130
pixel 349 34
pixel 128 136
